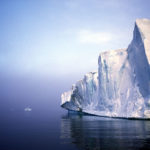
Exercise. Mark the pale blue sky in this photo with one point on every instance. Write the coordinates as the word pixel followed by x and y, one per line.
pixel 63 37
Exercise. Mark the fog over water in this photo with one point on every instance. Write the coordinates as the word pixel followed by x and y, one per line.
pixel 20 91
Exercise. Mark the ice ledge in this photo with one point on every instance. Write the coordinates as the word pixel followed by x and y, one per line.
pixel 114 115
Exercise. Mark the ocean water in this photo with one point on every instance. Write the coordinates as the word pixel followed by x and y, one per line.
pixel 49 127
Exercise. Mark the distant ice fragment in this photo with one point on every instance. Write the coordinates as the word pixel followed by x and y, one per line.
pixel 28 108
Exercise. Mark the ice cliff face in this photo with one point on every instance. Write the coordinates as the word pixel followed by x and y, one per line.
pixel 83 95
pixel 121 88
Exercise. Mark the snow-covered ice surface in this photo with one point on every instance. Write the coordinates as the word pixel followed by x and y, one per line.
pixel 121 86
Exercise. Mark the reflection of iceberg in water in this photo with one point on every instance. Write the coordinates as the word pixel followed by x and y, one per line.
pixel 94 133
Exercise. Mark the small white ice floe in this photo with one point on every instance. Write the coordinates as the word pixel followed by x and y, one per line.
pixel 28 108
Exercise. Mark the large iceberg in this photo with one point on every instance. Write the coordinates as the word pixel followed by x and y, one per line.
pixel 121 86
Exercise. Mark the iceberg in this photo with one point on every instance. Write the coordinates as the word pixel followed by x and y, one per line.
pixel 121 85
pixel 28 109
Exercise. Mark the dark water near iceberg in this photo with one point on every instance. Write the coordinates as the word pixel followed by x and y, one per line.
pixel 48 127
pixel 45 131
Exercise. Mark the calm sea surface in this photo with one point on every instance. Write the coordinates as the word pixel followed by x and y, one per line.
pixel 49 127
pixel 50 130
